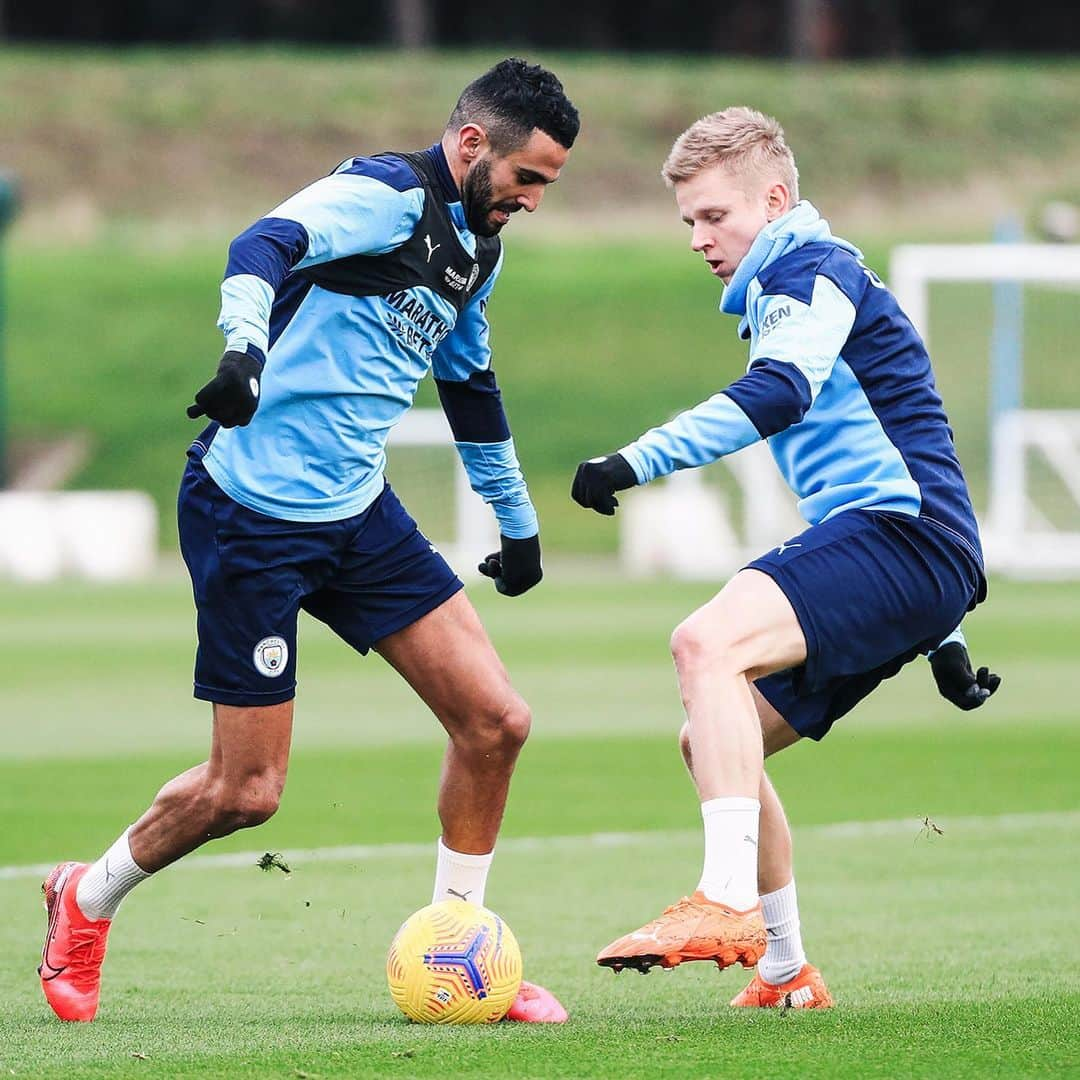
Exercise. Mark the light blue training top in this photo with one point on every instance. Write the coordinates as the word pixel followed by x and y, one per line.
pixel 340 370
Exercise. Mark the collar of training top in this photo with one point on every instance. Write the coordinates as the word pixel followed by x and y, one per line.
pixel 437 157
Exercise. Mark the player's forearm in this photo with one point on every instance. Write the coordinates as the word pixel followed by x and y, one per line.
pixel 245 314
pixel 482 436
pixel 259 260
pixel 767 399
pixel 696 437
pixel 495 475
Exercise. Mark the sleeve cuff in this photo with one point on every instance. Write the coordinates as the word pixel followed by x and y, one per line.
pixel 517 522
pixel 630 454
pixel 956 636
pixel 495 475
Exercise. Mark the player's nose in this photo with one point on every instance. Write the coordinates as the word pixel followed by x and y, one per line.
pixel 530 200
pixel 700 240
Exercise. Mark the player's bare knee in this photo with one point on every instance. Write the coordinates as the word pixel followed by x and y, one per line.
pixel 512 726
pixel 517 723
pixel 684 645
pixel 501 732
pixel 247 804
pixel 251 806
pixel 696 649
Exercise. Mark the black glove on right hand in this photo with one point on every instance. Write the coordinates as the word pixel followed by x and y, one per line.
pixel 232 395
pixel 956 682
pixel 598 479
pixel 516 567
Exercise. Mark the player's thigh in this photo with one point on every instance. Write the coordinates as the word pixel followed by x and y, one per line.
pixel 390 577
pixel 395 593
pixel 749 628
pixel 868 587
pixel 448 659
pixel 248 573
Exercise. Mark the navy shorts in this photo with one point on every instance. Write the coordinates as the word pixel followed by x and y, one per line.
pixel 365 577
pixel 872 590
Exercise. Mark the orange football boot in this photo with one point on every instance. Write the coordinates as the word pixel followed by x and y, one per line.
pixel 535 1005
pixel 806 991
pixel 695 928
pixel 74 947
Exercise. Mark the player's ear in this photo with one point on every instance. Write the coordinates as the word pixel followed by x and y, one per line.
pixel 777 201
pixel 472 139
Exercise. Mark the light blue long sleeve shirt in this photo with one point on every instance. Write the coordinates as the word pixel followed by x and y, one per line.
pixel 340 370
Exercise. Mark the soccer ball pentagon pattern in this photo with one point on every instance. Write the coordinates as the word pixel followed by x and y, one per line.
pixel 454 963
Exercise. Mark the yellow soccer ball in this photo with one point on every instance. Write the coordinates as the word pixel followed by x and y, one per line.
pixel 454 963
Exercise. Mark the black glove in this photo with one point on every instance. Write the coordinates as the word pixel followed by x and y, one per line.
pixel 516 568
pixel 598 479
pixel 956 681
pixel 232 395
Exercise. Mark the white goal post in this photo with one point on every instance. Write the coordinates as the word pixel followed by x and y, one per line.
pixel 913 266
pixel 1019 539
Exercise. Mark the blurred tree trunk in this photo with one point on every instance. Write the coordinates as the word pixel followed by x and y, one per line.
pixel 410 23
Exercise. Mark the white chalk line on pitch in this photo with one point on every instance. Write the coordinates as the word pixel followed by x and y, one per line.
pixel 296 858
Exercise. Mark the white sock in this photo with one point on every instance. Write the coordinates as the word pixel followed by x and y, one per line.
pixel 109 880
pixel 731 836
pixel 459 876
pixel 784 955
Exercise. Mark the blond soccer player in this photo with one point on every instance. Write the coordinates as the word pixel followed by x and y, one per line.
pixel 840 385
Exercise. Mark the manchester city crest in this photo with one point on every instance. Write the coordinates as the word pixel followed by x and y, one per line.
pixel 271 656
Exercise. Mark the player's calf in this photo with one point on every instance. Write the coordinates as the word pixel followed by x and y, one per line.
pixel 197 806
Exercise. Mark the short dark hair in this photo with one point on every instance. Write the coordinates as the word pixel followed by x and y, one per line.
pixel 513 99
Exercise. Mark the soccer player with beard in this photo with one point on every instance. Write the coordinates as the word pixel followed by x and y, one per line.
pixel 840 385
pixel 334 306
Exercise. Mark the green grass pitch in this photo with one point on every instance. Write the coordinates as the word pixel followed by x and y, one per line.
pixel 950 955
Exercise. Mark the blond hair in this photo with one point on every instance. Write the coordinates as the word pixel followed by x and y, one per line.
pixel 739 138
